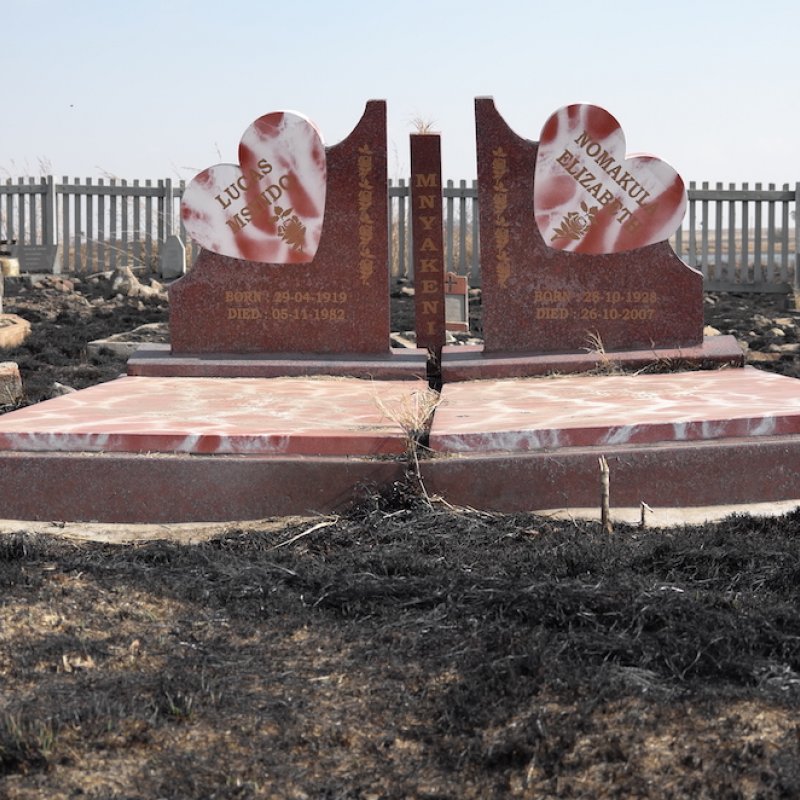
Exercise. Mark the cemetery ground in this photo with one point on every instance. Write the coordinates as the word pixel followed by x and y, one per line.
pixel 403 649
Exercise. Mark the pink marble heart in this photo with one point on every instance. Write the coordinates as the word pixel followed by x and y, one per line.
pixel 589 197
pixel 270 206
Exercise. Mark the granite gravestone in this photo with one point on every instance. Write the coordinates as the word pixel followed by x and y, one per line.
pixel 293 275
pixel 456 302
pixel 39 258
pixel 574 256
pixel 172 258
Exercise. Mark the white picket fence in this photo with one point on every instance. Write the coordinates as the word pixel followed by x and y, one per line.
pixel 100 224
pixel 741 238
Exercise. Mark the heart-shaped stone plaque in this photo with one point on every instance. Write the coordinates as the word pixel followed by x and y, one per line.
pixel 589 197
pixel 270 206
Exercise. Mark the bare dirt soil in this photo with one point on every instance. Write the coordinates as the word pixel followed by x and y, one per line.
pixel 401 650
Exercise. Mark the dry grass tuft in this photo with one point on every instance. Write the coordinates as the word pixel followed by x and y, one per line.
pixel 412 413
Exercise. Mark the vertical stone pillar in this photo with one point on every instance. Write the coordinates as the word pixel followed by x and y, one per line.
pixel 428 242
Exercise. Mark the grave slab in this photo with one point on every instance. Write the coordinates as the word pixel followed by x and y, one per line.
pixel 182 449
pixel 39 257
pixel 675 439
pixel 576 411
pixel 717 472
pixel 247 416
pixel 456 302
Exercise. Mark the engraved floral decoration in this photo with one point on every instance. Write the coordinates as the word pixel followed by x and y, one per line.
pixel 574 225
pixel 290 228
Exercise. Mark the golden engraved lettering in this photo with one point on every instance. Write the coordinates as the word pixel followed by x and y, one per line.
pixel 251 296
pixel 244 313
pixel 500 203
pixel 623 178
pixel 364 200
pixel 303 314
pixel 499 207
pixel 426 181
pixel 366 230
pixel 429 265
pixel 629 306
pixel 501 238
pixel 546 312
pixel 566 159
pixel 551 296
pixel 364 235
pixel 605 198
pixel 428 286
pixel 286 306
pixel 615 314
pixel 499 163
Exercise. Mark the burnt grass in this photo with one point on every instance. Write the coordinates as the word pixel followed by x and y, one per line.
pixel 403 649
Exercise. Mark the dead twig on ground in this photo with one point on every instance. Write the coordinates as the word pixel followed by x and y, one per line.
pixel 293 539
pixel 605 481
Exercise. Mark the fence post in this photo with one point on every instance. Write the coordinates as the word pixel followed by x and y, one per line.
pixel 168 203
pixel 49 220
pixel 796 281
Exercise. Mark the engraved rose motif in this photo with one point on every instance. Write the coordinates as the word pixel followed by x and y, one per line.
pixel 574 225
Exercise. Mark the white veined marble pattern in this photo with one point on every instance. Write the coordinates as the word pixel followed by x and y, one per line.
pixel 269 207
pixel 529 414
pixel 322 416
pixel 590 197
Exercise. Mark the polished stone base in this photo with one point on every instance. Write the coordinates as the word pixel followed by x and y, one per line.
pixel 471 362
pixel 396 364
pixel 162 449
pixel 676 439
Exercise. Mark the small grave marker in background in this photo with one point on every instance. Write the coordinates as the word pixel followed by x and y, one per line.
pixel 39 258
pixel 172 258
pixel 456 303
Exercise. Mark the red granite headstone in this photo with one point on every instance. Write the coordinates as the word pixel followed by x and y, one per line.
pixel 336 303
pixel 324 299
pixel 428 241
pixel 537 298
pixel 540 301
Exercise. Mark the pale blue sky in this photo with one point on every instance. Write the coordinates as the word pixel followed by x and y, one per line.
pixel 165 88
